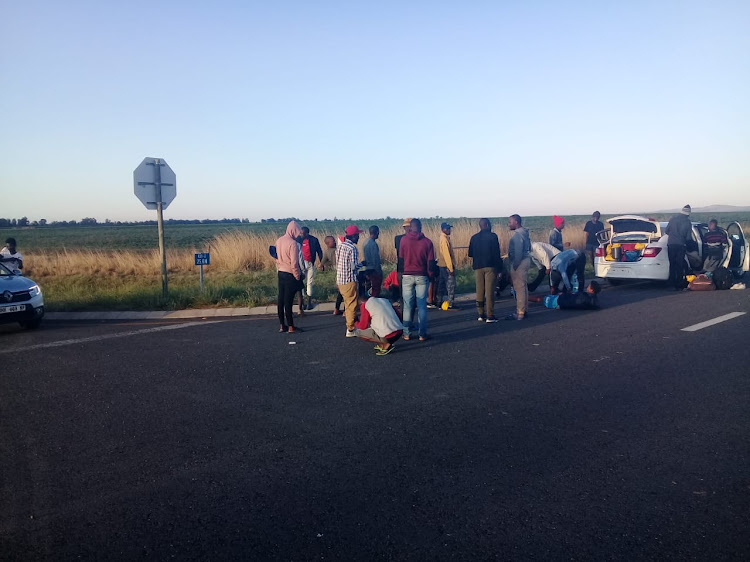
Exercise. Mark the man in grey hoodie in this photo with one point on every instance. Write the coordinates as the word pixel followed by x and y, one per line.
pixel 518 256
pixel 680 232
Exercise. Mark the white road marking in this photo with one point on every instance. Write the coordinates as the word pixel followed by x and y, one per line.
pixel 62 343
pixel 707 323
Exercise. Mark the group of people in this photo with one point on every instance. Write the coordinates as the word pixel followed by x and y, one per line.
pixel 424 277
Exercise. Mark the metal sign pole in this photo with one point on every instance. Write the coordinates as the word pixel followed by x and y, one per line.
pixel 201 278
pixel 160 223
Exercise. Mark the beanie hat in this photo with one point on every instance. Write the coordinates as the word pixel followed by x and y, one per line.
pixel 686 210
pixel 558 221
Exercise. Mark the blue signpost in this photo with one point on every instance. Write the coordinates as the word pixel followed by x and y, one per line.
pixel 201 260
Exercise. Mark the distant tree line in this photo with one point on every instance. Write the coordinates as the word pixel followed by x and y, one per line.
pixel 90 221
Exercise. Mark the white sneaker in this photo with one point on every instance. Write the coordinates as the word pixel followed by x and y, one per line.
pixel 351 334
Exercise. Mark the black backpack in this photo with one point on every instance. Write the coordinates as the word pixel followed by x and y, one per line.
pixel 723 278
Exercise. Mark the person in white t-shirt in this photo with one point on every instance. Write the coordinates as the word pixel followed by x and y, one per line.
pixel 10 257
pixel 379 323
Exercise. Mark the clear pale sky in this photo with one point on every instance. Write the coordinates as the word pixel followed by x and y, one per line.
pixel 354 109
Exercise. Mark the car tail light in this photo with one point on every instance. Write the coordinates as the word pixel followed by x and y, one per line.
pixel 651 252
pixel 600 252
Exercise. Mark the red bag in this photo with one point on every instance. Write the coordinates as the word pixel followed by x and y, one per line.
pixel 701 283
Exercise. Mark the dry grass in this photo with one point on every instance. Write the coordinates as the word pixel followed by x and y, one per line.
pixel 236 252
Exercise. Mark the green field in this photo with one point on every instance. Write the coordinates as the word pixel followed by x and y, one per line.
pixel 102 237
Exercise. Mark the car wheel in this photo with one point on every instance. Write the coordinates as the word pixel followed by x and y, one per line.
pixel 31 324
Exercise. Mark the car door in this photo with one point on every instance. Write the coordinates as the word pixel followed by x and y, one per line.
pixel 738 258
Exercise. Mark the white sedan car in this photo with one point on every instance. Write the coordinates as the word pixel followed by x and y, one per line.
pixel 635 247
pixel 20 299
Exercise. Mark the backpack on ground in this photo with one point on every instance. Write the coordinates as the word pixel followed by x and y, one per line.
pixel 701 283
pixel 722 278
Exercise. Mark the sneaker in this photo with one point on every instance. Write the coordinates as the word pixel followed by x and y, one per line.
pixel 482 318
pixel 337 312
pixel 491 320
pixel 351 334
pixel 386 351
pixel 431 305
pixel 310 305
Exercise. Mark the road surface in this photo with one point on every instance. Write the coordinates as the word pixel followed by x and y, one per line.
pixel 611 434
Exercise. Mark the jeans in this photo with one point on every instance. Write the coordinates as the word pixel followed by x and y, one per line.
pixel 415 288
pixel 288 287
pixel 309 277
pixel 446 286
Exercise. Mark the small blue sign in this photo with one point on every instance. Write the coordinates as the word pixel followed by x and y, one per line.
pixel 203 259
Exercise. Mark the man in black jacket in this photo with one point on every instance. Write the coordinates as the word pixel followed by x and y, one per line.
pixel 680 232
pixel 484 249
pixel 311 251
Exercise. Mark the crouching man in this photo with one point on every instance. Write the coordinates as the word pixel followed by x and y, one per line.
pixel 379 323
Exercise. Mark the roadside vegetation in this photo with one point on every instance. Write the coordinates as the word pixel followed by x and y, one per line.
pixel 120 272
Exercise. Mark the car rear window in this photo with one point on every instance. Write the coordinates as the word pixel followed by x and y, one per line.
pixel 632 225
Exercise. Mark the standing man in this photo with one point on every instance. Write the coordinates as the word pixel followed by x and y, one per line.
pixel 484 249
pixel 399 262
pixel 289 275
pixel 311 251
pixel 347 258
pixel 446 262
pixel 680 232
pixel 542 255
pixel 518 254
pixel 555 235
pixel 417 253
pixel 329 260
pixel 10 257
pixel 592 228
pixel 373 270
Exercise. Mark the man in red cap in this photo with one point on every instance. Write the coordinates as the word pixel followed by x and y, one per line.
pixel 555 235
pixel 347 264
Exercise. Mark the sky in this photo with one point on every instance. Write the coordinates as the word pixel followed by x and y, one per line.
pixel 372 109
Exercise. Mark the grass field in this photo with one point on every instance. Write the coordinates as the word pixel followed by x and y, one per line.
pixel 118 267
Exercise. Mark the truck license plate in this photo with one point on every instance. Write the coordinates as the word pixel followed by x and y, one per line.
pixel 12 308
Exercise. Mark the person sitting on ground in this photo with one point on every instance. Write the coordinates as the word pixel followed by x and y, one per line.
pixel 542 255
pixel 329 261
pixel 379 323
pixel 582 300
pixel 715 242
pixel 10 257
pixel 555 235
pixel 562 268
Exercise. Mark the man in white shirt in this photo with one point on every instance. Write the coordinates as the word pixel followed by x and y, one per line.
pixel 541 255
pixel 10 257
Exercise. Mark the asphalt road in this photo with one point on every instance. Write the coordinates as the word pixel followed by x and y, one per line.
pixel 610 434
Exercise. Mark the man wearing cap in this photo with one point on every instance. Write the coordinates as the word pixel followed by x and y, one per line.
pixel 446 262
pixel 347 264
pixel 417 252
pixel 555 235
pixel 680 232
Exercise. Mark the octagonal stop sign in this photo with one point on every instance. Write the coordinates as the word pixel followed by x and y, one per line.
pixel 147 175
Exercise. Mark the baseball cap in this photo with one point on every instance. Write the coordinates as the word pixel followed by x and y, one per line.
pixel 445 225
pixel 353 229
pixel 407 221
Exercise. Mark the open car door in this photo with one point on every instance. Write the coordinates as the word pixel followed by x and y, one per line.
pixel 738 258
